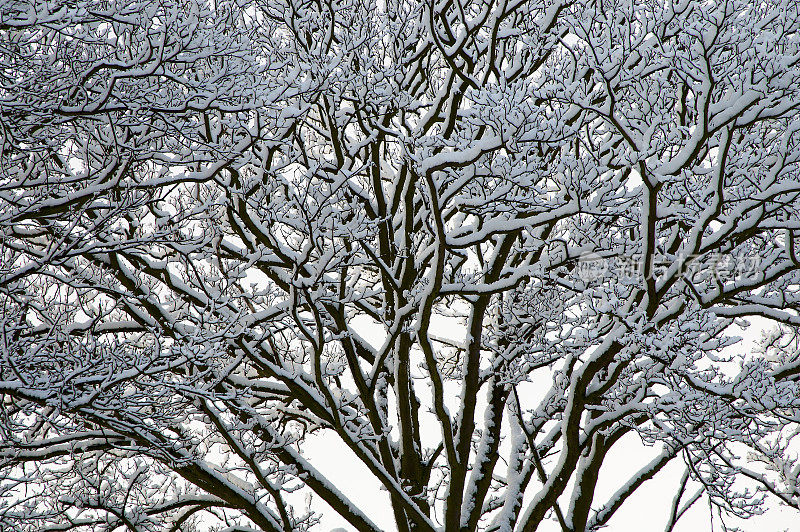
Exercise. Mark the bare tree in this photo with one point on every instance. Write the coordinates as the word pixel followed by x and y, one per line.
pixel 555 216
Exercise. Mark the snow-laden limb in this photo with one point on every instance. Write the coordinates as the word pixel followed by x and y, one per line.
pixel 480 244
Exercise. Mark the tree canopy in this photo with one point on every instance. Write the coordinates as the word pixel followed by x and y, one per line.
pixel 557 217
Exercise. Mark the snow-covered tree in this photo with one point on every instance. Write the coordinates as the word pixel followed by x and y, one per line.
pixel 478 245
